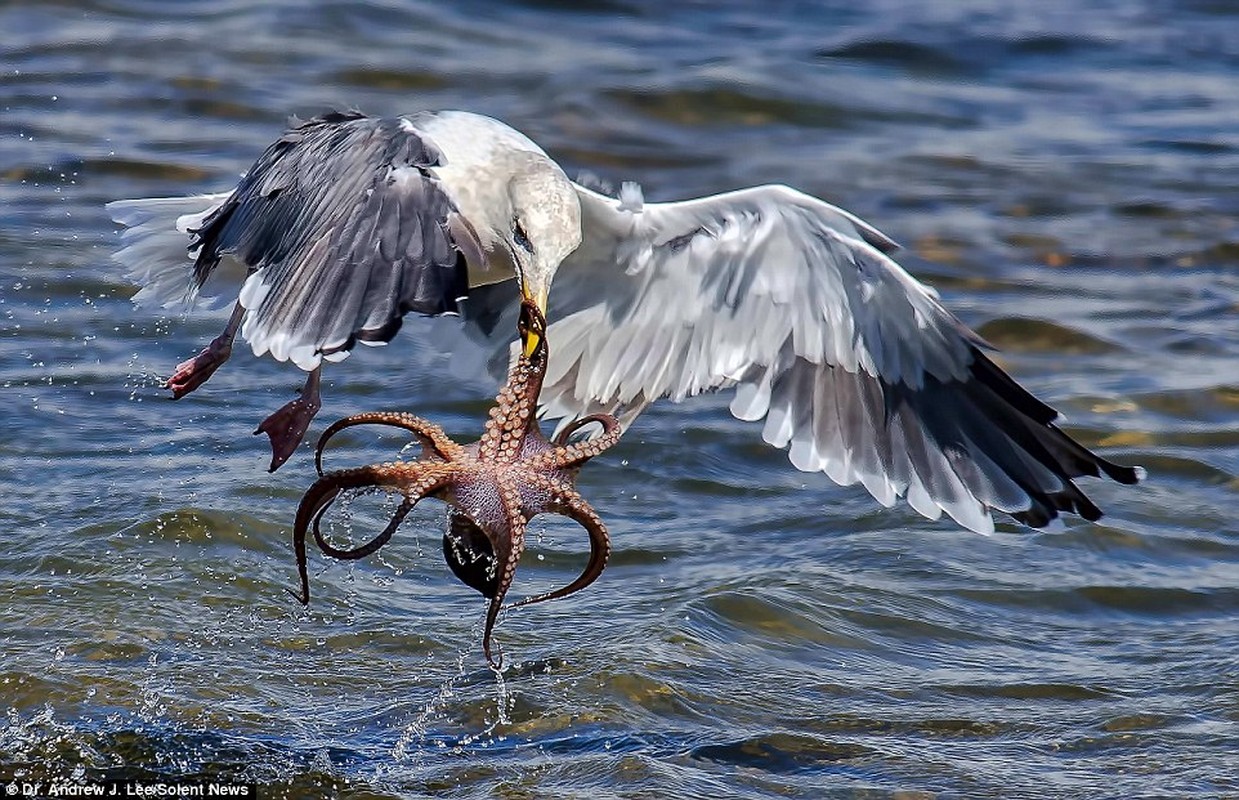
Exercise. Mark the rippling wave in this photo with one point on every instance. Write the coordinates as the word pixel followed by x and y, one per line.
pixel 1066 174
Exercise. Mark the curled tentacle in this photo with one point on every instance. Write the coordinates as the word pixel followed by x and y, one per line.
pixel 606 420
pixel 572 456
pixel 415 480
pixel 429 435
pixel 374 544
pixel 573 506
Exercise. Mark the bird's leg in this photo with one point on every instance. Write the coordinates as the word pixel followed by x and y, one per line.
pixel 288 425
pixel 573 506
pixel 191 374
pixel 432 438
pixel 414 480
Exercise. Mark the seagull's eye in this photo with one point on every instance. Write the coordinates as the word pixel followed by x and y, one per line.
pixel 520 237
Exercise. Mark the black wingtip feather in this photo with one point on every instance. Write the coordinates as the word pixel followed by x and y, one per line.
pixel 987 372
pixel 1028 422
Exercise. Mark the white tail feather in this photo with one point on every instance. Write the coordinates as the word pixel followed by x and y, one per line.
pixel 155 250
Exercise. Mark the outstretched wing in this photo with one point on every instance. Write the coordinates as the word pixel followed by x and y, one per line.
pixel 346 230
pixel 854 365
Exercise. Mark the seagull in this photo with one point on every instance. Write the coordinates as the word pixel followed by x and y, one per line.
pixel 349 222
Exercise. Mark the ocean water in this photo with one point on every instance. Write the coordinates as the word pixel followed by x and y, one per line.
pixel 1067 175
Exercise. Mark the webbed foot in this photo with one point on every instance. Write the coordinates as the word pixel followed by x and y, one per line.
pixel 287 426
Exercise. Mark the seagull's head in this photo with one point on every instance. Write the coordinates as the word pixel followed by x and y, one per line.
pixel 544 228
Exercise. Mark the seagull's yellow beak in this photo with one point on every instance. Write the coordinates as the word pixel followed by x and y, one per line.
pixel 530 339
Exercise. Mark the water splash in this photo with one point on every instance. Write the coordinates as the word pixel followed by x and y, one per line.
pixel 418 732
pixel 418 737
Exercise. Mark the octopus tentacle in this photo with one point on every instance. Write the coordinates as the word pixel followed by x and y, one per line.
pixel 374 544
pixel 606 420
pixel 514 415
pixel 414 479
pixel 569 503
pixel 429 435
pixel 571 456
pixel 508 545
pixel 510 419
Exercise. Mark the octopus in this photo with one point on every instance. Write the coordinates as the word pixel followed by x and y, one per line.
pixel 493 487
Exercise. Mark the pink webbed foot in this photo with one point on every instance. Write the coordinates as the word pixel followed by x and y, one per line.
pixel 191 374
pixel 287 426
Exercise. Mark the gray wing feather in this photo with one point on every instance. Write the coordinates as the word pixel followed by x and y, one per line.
pixel 856 367
pixel 346 231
